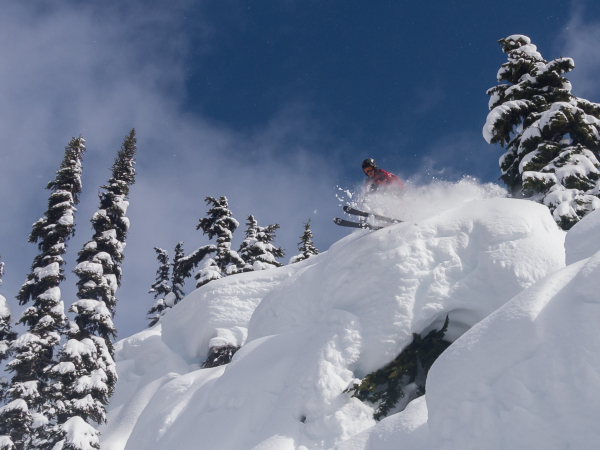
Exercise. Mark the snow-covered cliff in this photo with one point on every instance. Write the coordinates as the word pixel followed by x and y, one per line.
pixel 309 329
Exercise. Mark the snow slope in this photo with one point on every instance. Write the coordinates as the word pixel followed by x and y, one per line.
pixel 581 241
pixel 528 376
pixel 309 329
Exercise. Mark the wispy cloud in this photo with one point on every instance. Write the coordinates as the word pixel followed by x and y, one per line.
pixel 96 70
pixel 580 40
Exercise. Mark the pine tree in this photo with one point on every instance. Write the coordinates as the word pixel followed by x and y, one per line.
pixel 257 250
pixel 99 262
pixel 178 276
pixel 77 434
pixel 306 246
pixel 16 418
pixel 185 265
pixel 171 294
pixel 15 426
pixel 7 335
pixel 161 287
pixel 86 370
pixel 244 250
pixel 219 223
pixel 552 138
pixel 30 390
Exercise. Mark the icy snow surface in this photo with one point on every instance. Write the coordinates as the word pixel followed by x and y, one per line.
pixel 309 329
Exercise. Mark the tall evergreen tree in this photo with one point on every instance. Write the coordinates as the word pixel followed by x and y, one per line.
pixel 99 262
pixel 160 287
pixel 552 138
pixel 86 369
pixel 257 250
pixel 306 246
pixel 30 390
pixel 219 222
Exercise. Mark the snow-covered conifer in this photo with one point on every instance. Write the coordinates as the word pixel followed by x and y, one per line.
pixel 7 335
pixel 99 262
pixel 552 138
pixel 171 294
pixel 219 222
pixel 184 265
pixel 30 391
pixel 178 277
pixel 15 426
pixel 161 287
pixel 86 370
pixel 244 250
pixel 306 246
pixel 77 434
pixel 257 250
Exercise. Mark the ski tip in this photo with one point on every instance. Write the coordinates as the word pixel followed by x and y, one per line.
pixel 337 220
pixel 346 208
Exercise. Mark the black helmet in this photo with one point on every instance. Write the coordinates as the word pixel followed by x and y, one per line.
pixel 369 162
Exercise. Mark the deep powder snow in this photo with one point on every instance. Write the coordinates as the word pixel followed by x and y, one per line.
pixel 309 329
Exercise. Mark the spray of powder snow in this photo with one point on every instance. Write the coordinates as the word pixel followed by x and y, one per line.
pixel 420 202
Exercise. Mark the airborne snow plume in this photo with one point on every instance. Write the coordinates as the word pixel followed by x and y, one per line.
pixel 424 201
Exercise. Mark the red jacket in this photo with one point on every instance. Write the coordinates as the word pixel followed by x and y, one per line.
pixel 383 178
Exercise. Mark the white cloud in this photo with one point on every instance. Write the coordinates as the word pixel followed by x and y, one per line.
pixel 100 70
pixel 580 40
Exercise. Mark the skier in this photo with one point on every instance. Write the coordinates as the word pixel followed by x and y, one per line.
pixel 379 178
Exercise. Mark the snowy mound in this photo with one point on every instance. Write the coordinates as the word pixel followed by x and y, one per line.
pixel 309 329
pixel 578 243
pixel 528 376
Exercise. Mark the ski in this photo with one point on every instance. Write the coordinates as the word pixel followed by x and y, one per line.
pixel 363 225
pixel 357 212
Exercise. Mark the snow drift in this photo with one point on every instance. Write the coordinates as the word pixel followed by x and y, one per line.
pixel 528 376
pixel 309 329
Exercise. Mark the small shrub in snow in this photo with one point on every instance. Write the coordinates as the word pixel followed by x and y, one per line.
pixel 405 375
pixel 218 356
pixel 552 138
pixel 306 246
pixel 257 250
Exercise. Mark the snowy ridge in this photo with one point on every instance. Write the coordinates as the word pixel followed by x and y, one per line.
pixel 309 329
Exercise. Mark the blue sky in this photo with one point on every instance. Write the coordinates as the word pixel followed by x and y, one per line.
pixel 270 103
